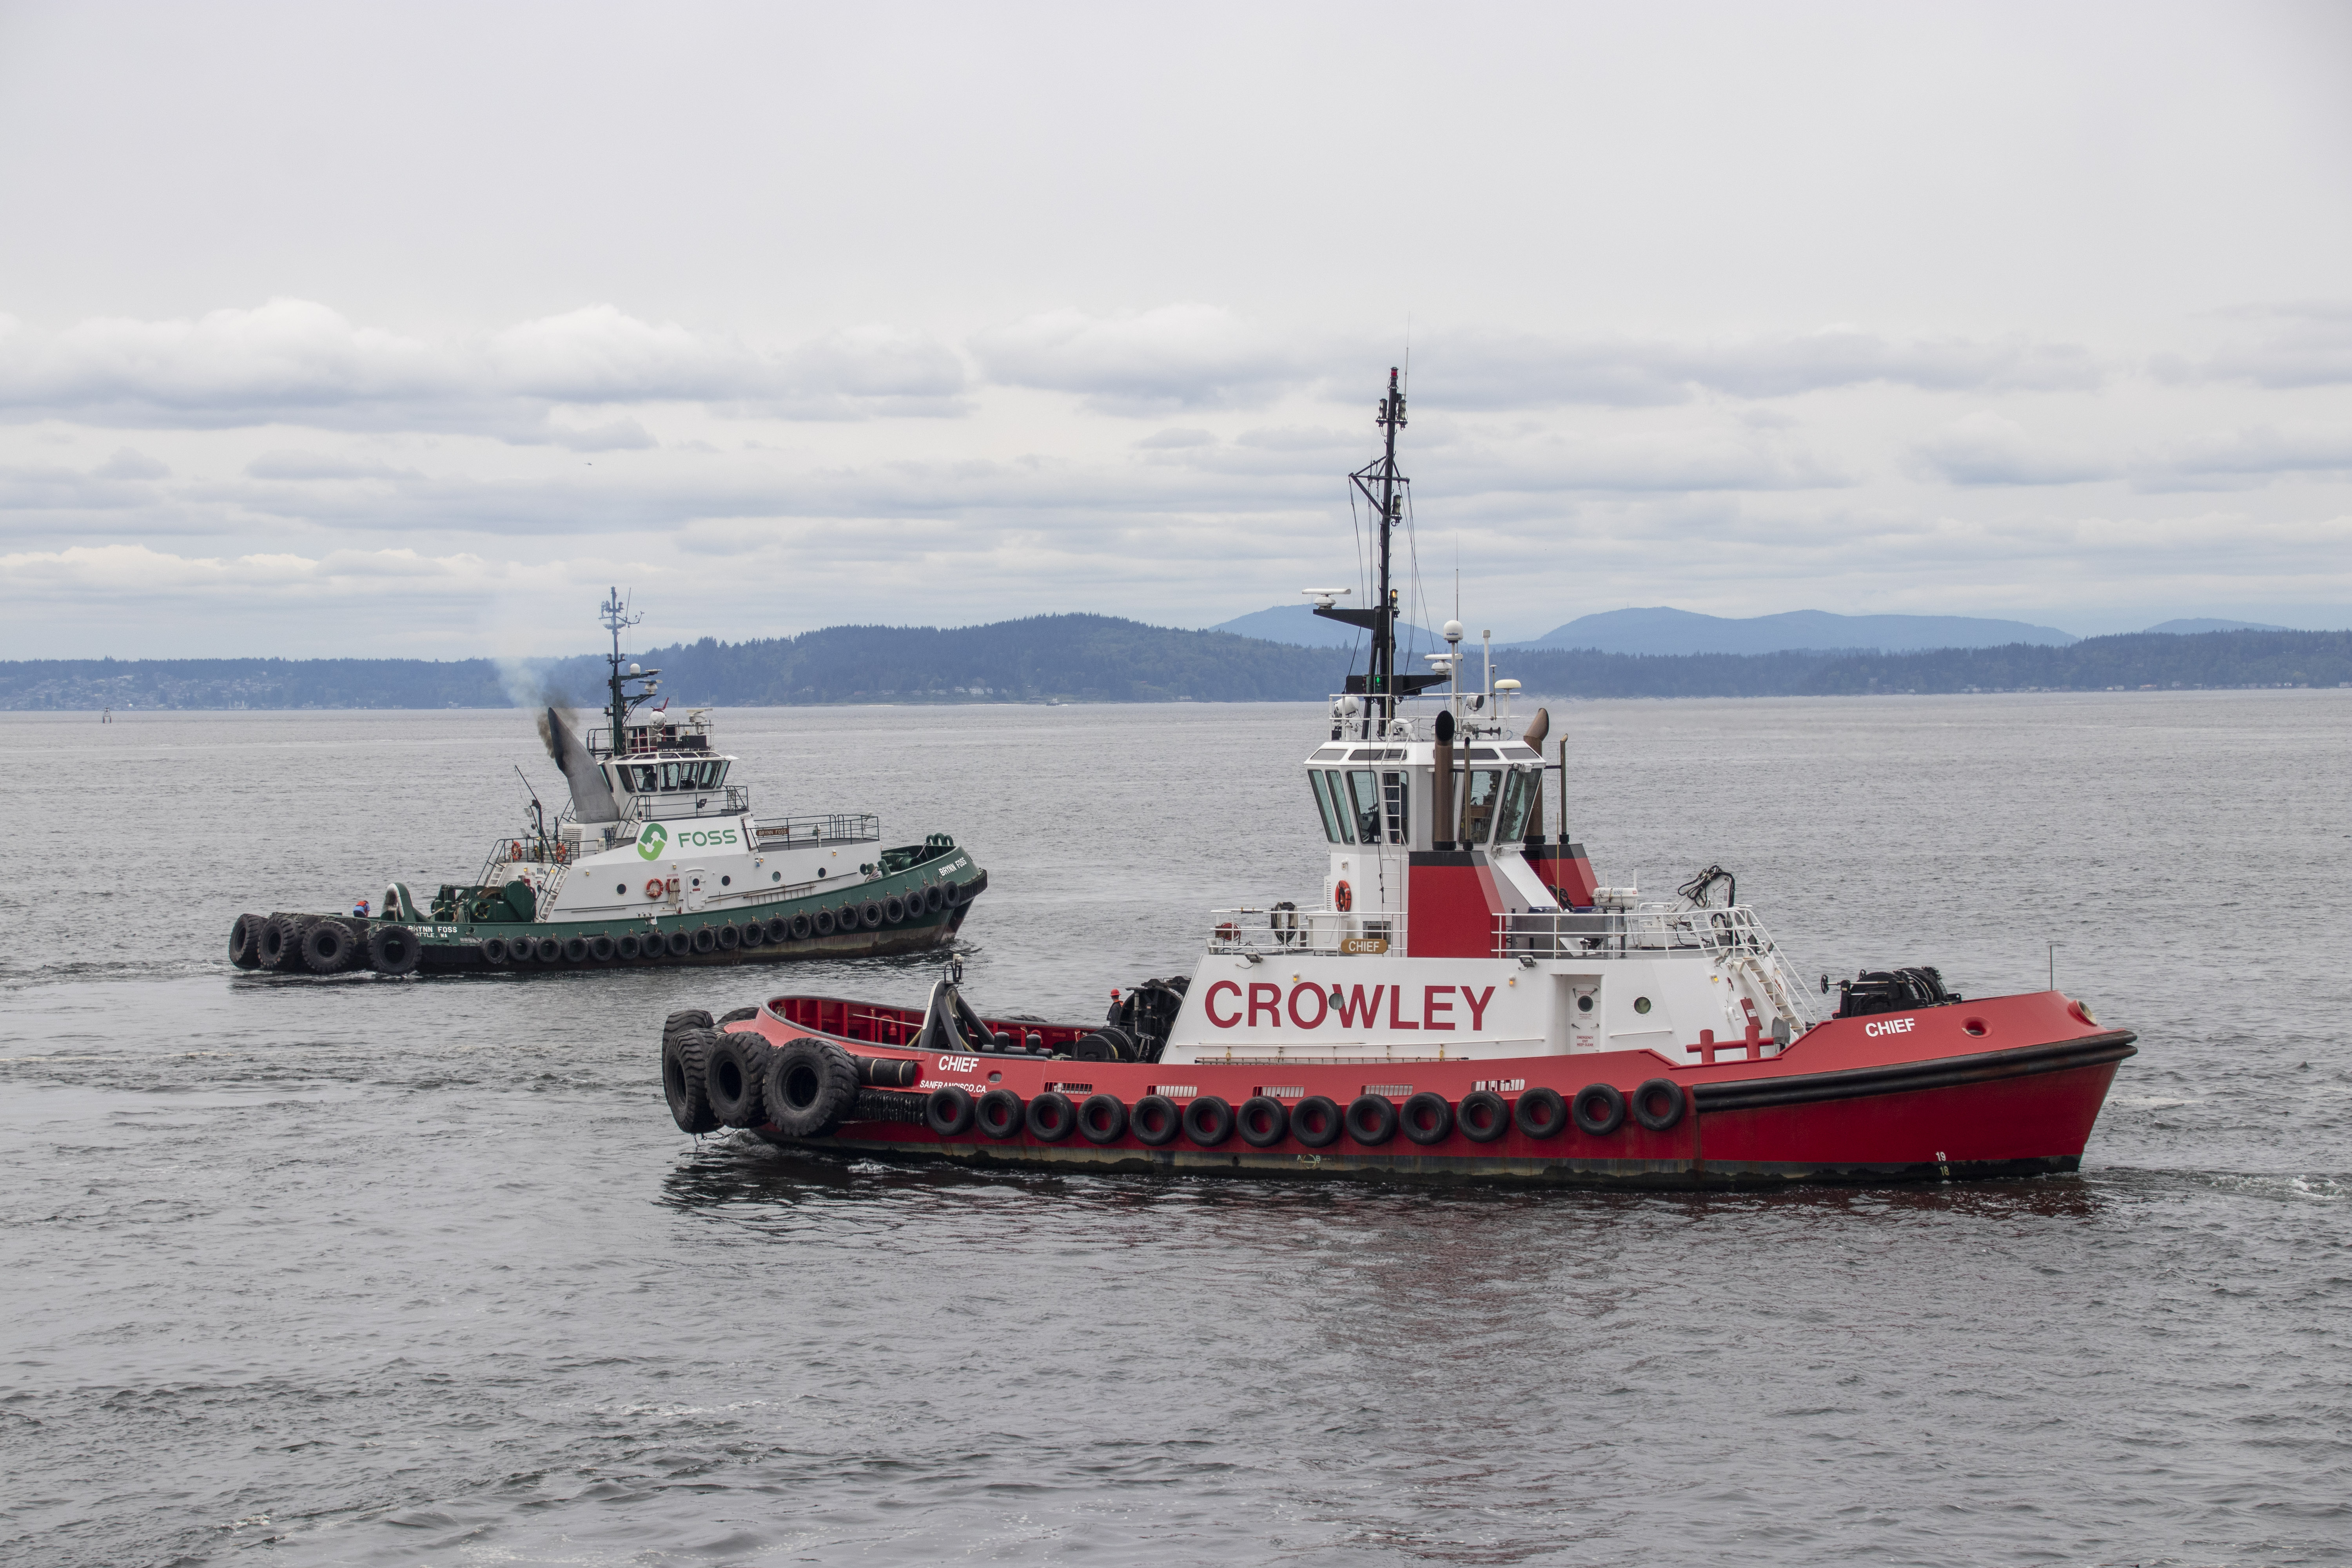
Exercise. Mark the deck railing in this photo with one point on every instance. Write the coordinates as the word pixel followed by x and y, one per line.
pixel 1734 933
pixel 1274 931
pixel 839 828
pixel 724 800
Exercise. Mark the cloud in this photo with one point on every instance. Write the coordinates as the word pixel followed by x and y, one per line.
pixel 2242 460
pixel 1193 356
pixel 296 362
pixel 116 572
pixel 2312 347
pixel 1484 370
pixel 1145 362
pixel 1987 449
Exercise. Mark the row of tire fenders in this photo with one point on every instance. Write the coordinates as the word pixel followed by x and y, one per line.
pixel 1317 1121
pixel 809 1085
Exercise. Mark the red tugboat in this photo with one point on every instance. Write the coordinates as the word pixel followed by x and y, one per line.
pixel 1464 1001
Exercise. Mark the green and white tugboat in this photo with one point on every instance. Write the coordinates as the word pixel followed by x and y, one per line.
pixel 657 860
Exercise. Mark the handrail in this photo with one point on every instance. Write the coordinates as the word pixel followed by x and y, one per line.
pixel 1263 932
pixel 834 828
pixel 724 800
pixel 1603 934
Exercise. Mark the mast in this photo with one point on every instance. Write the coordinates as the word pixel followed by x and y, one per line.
pixel 1384 487
pixel 616 616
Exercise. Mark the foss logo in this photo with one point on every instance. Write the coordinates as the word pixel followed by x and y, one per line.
pixel 655 838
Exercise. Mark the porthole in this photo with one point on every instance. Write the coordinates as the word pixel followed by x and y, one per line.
pixel 1584 1003
pixel 1641 1004
pixel 820 870
pixel 775 875
pixel 725 881
pixel 622 889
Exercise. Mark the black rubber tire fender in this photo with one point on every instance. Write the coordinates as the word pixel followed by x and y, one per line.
pixel 394 949
pixel 935 898
pixel 1263 1121
pixel 752 933
pixel 329 947
pixel 577 950
pixel 1371 1119
pixel 812 1087
pixel 736 1080
pixel 869 914
pixel 1427 1118
pixel 1208 1119
pixel 1102 1118
pixel 1599 1110
pixel 1000 1114
pixel 1154 1119
pixel 1657 1103
pixel 1050 1117
pixel 736 1016
pixel 627 948
pixel 685 1018
pixel 729 937
pixel 778 930
pixel 704 939
pixel 948 1113
pixel 1540 1113
pixel 550 950
pixel 822 922
pixel 493 950
pixel 281 944
pixel 676 943
pixel 894 909
pixel 244 942
pixel 602 948
pixel 684 1067
pixel 1316 1121
pixel 1483 1116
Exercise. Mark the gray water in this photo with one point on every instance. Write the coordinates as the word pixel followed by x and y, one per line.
pixel 419 1272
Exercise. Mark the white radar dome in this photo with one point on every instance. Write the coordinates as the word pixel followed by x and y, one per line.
pixel 1454 631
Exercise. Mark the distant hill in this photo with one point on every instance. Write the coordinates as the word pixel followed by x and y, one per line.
pixel 1300 625
pixel 1097 658
pixel 2193 628
pixel 1662 630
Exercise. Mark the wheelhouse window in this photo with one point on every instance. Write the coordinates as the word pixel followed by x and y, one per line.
pixel 1522 795
pixel 1481 795
pixel 1364 797
pixel 1334 812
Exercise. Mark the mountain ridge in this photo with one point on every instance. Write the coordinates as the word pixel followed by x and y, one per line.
pixel 1101 658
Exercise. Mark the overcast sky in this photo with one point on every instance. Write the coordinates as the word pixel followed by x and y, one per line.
pixel 405 330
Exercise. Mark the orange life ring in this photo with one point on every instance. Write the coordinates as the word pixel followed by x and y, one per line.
pixel 653 887
pixel 1343 898
pixel 514 849
pixel 562 854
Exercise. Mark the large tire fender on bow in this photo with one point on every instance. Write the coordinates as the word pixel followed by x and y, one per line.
pixel 329 947
pixel 281 944
pixel 738 1080
pixel 244 942
pixel 812 1087
pixel 684 1064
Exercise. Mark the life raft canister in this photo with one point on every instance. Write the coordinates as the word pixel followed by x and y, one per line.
pixel 1343 898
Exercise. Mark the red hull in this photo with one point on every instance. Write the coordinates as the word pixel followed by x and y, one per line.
pixel 2010 1086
